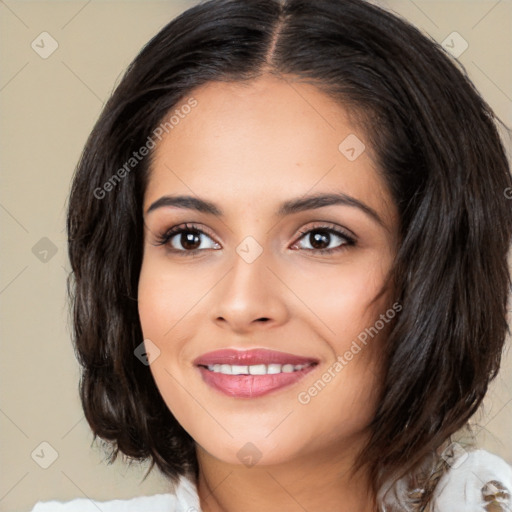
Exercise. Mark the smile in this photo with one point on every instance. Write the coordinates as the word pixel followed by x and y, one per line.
pixel 256 369
pixel 252 373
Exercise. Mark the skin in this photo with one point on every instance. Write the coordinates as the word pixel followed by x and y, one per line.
pixel 248 148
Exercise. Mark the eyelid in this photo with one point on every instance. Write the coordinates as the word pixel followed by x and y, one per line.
pixel 351 239
pixel 167 235
pixel 338 231
pixel 346 233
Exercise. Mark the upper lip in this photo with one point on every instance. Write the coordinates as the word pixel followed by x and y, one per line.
pixel 251 357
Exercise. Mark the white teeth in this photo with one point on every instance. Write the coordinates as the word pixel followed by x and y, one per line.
pixel 256 369
pixel 225 368
pixel 237 370
pixel 274 368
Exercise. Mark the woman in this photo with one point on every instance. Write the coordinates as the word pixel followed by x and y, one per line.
pixel 289 233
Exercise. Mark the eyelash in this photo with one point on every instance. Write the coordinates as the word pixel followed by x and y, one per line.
pixel 166 237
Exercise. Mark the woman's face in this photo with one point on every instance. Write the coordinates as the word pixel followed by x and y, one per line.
pixel 268 267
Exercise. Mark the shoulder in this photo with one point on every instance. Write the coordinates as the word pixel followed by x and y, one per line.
pixel 184 499
pixel 475 481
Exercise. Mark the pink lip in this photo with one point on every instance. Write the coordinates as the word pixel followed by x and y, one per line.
pixel 251 357
pixel 251 386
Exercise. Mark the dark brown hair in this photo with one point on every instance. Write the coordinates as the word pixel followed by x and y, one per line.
pixel 439 151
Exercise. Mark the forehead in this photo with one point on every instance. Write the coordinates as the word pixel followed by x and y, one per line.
pixel 261 142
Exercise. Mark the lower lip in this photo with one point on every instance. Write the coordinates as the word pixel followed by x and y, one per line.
pixel 251 386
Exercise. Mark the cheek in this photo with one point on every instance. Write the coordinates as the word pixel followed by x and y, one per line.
pixel 165 294
pixel 153 304
pixel 161 304
pixel 341 296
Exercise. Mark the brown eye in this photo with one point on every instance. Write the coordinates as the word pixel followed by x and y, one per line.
pixel 319 239
pixel 325 240
pixel 187 239
pixel 190 240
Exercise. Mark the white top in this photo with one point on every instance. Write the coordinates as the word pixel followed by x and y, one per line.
pixel 185 499
pixel 471 477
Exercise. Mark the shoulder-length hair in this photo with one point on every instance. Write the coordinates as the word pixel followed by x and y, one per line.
pixel 438 150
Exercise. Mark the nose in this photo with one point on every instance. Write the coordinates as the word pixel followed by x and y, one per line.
pixel 250 297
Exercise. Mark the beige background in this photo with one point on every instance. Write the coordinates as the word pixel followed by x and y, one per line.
pixel 48 108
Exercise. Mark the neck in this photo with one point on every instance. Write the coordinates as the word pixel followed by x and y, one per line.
pixel 315 484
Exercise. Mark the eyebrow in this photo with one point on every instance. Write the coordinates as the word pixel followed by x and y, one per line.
pixel 311 202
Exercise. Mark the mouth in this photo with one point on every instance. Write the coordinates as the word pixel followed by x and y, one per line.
pixel 252 373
